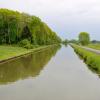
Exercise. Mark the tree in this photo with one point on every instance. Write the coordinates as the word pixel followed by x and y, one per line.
pixel 65 42
pixel 15 26
pixel 74 41
pixel 84 38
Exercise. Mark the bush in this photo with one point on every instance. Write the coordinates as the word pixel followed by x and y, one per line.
pixel 26 44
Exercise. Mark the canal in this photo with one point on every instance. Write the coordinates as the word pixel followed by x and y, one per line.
pixel 55 73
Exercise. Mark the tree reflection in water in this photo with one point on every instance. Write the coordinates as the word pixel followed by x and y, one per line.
pixel 27 66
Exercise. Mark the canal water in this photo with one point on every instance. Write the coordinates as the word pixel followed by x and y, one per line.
pixel 55 73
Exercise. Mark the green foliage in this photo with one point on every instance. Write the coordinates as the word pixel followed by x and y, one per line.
pixel 74 41
pixel 84 38
pixel 26 44
pixel 65 42
pixel 15 26
pixel 94 46
pixel 90 58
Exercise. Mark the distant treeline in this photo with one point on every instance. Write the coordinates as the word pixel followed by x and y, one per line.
pixel 95 41
pixel 15 26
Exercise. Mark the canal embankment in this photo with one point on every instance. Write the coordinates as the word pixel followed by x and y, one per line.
pixel 90 56
pixel 12 52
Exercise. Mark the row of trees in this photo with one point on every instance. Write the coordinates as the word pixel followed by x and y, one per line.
pixel 83 39
pixel 15 26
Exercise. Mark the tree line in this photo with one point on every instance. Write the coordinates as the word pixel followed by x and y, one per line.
pixel 16 26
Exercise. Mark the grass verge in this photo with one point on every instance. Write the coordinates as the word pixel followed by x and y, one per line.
pixel 90 58
pixel 10 52
pixel 94 46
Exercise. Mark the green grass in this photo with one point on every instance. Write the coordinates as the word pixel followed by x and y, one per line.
pixel 94 46
pixel 7 51
pixel 90 58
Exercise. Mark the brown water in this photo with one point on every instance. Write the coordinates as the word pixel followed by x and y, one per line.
pixel 48 75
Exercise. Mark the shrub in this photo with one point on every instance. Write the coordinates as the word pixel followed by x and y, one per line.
pixel 26 44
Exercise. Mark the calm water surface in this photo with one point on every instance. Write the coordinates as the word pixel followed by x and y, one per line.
pixel 52 74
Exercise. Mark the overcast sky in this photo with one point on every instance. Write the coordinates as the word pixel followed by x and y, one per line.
pixel 66 17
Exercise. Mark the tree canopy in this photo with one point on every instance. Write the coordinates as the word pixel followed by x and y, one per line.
pixel 15 26
pixel 84 38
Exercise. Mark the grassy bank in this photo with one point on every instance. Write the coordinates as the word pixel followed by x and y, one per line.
pixel 9 52
pixel 90 58
pixel 94 46
pixel 29 66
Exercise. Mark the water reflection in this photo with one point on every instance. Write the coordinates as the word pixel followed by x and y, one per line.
pixel 95 70
pixel 28 66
